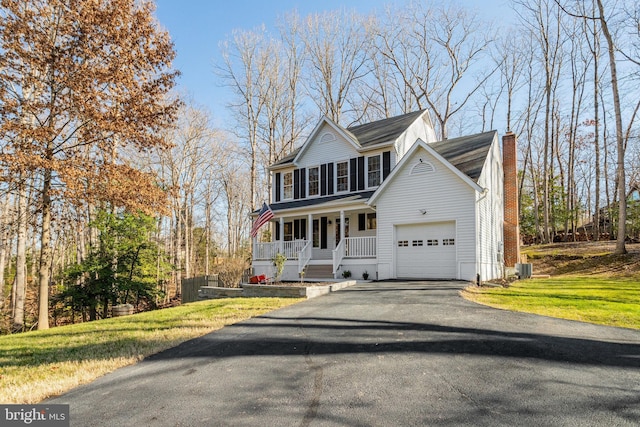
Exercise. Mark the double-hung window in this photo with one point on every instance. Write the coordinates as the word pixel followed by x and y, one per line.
pixel 342 176
pixel 314 181
pixel 373 171
pixel 287 185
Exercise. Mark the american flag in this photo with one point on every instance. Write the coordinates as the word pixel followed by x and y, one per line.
pixel 263 217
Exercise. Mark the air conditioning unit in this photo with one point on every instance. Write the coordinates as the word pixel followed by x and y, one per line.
pixel 524 270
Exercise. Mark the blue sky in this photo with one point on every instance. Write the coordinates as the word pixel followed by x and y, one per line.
pixel 198 26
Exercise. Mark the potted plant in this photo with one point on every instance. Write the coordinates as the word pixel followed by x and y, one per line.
pixel 365 275
pixel 346 274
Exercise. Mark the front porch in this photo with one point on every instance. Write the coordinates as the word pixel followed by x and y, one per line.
pixel 354 254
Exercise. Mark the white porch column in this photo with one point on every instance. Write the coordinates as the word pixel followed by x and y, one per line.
pixel 310 228
pixel 341 226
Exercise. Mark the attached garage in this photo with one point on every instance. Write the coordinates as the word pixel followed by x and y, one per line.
pixel 426 251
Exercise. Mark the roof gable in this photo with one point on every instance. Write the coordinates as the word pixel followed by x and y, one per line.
pixel 359 136
pixel 296 155
pixel 464 156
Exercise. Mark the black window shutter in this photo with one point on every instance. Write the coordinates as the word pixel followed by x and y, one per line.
pixel 303 183
pixel 296 184
pixel 303 228
pixel 323 180
pixel 277 230
pixel 323 232
pixel 386 164
pixel 361 222
pixel 296 228
pixel 330 178
pixel 352 174
pixel 277 185
pixel 360 173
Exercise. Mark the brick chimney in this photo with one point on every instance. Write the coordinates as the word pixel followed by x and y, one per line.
pixel 511 218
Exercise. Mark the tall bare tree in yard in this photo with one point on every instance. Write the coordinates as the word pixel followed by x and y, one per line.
pixel 543 21
pixel 244 71
pixel 603 17
pixel 336 48
pixel 77 74
pixel 185 169
pixel 435 50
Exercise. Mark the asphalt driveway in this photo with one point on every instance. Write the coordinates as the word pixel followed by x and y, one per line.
pixel 379 354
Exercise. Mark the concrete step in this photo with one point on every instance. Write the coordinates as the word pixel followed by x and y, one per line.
pixel 319 271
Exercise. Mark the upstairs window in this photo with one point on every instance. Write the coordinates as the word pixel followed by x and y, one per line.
pixel 342 175
pixel 287 185
pixel 314 181
pixel 373 171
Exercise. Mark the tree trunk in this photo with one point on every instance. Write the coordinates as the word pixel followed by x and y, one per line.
pixel 620 170
pixel 20 284
pixel 45 254
pixel 4 249
pixel 596 139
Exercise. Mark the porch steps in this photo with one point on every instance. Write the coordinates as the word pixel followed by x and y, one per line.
pixel 316 271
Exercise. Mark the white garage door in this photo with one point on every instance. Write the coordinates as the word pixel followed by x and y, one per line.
pixel 426 251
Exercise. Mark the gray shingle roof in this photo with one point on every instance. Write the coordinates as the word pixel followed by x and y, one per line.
pixel 466 153
pixel 380 131
pixel 384 130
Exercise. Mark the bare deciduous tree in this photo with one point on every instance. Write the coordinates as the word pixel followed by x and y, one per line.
pixel 434 50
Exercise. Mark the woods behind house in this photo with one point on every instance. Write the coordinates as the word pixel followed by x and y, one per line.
pixel 115 187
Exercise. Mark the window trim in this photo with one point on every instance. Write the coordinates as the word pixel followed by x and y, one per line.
pixel 284 186
pixel 336 186
pixel 379 156
pixel 317 168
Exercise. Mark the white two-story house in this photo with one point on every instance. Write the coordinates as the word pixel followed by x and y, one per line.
pixel 389 200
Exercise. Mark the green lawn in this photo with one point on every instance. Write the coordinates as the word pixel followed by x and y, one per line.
pixel 605 301
pixel 39 364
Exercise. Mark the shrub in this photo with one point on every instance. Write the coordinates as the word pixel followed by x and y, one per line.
pixel 230 272
pixel 278 262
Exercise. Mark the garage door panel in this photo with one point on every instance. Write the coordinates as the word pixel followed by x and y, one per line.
pixel 426 251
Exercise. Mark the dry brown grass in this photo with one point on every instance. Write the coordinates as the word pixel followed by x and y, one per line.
pixel 584 258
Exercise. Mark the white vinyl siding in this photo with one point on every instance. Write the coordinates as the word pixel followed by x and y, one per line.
pixel 491 217
pixel 444 197
pixel 326 152
pixel 418 130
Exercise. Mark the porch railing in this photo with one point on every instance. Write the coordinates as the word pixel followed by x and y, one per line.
pixel 304 256
pixel 360 247
pixel 268 250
